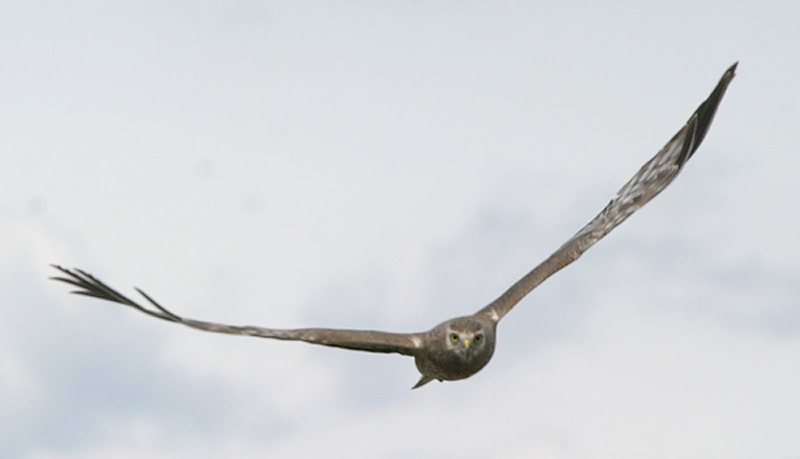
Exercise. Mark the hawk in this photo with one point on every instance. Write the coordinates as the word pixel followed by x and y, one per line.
pixel 460 347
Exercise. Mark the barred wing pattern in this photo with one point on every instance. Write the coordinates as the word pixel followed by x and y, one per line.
pixel 360 340
pixel 651 179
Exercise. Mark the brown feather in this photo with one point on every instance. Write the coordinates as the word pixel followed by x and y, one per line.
pixel 650 180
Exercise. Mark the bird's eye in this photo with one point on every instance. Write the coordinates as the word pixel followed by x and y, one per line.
pixel 478 338
pixel 453 338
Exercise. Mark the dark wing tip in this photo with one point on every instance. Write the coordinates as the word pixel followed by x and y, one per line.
pixel 91 286
pixel 704 115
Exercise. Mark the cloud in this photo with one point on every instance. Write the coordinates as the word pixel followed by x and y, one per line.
pixel 389 167
pixel 73 376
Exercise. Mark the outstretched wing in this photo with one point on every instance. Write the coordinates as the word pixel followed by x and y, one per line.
pixel 360 340
pixel 651 179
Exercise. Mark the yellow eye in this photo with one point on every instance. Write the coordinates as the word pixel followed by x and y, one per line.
pixel 453 338
pixel 478 338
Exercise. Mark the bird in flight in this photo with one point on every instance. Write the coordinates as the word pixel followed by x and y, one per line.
pixel 460 347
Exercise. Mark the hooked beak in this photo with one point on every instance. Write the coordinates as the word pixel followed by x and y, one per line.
pixel 467 350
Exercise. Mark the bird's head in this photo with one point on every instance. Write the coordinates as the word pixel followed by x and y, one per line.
pixel 469 339
pixel 456 349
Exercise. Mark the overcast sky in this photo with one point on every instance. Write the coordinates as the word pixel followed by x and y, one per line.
pixel 388 165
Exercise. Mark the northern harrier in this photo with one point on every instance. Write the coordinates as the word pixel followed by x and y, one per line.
pixel 460 347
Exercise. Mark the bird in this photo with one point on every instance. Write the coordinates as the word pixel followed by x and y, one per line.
pixel 460 347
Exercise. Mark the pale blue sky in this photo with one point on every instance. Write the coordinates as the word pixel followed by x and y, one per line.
pixel 388 165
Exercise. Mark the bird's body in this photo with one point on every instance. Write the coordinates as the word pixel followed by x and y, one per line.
pixel 460 347
pixel 469 345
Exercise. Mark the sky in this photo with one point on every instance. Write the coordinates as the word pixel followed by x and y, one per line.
pixel 388 165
